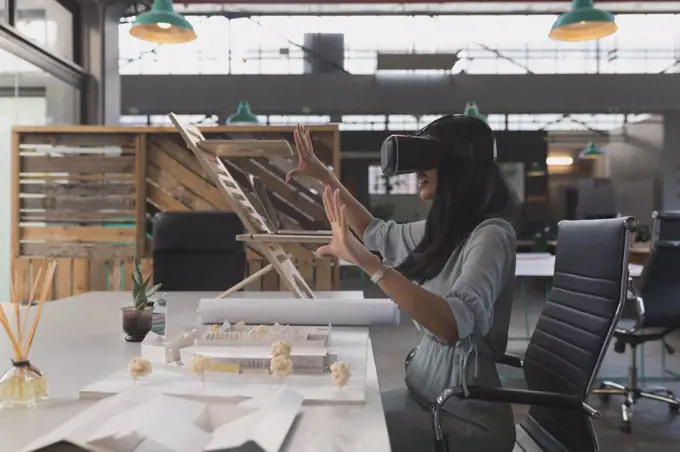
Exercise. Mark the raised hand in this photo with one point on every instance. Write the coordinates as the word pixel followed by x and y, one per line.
pixel 343 244
pixel 308 163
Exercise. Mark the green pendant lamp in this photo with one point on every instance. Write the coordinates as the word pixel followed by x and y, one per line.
pixel 471 109
pixel 243 115
pixel 583 22
pixel 536 170
pixel 162 25
pixel 591 152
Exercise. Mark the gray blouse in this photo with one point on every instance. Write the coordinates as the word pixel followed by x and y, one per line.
pixel 478 284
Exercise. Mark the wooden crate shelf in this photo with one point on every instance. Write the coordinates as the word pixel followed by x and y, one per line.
pixel 85 195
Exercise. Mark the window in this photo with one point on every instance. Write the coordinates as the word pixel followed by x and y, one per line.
pixel 403 184
pixel 273 44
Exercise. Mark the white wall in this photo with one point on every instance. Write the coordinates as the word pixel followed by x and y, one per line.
pixel 13 111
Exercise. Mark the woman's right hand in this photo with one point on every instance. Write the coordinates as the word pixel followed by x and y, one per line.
pixel 308 163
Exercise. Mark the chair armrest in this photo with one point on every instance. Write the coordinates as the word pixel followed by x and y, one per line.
pixel 511 360
pixel 505 395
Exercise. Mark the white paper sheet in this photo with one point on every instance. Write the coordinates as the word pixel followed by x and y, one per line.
pixel 266 428
pixel 293 311
pixel 144 421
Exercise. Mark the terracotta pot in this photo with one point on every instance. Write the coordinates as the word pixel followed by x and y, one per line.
pixel 136 324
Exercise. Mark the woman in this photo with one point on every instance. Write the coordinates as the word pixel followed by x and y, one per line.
pixel 454 276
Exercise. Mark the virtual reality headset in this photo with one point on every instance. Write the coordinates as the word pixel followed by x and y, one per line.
pixel 402 154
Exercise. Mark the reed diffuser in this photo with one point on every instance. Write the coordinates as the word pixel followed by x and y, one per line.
pixel 23 385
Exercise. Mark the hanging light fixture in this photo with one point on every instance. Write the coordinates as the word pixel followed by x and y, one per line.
pixel 583 22
pixel 591 152
pixel 536 170
pixel 162 25
pixel 243 115
pixel 471 109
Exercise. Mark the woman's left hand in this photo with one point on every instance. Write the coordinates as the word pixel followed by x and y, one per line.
pixel 343 244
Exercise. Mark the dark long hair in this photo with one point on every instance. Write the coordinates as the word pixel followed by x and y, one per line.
pixel 467 193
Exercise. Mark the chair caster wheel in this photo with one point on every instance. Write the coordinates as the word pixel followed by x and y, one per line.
pixel 604 397
pixel 626 427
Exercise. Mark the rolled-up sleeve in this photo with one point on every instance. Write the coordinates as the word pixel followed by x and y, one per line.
pixel 394 241
pixel 488 259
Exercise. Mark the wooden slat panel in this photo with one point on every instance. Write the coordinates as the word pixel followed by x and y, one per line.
pixel 20 277
pixel 147 268
pixel 86 188
pixel 77 234
pixel 74 216
pixel 97 274
pixel 79 164
pixel 80 250
pixel 162 200
pixel 81 276
pixel 176 189
pixel 41 266
pixel 140 193
pixel 63 279
pixel 80 203
pixel 324 280
pixel 254 266
pixel 128 266
pixel 80 138
pixel 187 178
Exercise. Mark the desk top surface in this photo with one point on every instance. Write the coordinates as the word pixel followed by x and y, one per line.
pixel 79 341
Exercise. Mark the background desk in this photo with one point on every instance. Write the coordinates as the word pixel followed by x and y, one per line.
pixel 80 341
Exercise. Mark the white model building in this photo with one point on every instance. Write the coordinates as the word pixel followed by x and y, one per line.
pixel 257 359
pixel 265 335
pixel 244 348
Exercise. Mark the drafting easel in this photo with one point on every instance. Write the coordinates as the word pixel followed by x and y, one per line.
pixel 261 235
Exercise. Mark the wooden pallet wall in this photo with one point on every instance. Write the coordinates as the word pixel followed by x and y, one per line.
pixel 75 276
pixel 86 195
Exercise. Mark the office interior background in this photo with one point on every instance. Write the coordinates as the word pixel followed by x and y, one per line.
pixel 584 129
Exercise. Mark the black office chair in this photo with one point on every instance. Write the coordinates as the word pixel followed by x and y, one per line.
pixel 654 313
pixel 197 251
pixel 568 344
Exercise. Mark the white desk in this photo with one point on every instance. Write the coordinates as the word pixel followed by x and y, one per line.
pixel 543 265
pixel 80 341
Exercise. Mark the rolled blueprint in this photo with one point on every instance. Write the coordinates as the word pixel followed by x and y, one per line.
pixel 299 311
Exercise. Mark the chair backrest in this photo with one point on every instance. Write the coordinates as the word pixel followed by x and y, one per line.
pixel 198 251
pixel 575 328
pixel 665 227
pixel 659 283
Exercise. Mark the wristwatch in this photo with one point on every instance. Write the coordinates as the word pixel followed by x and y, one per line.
pixel 380 274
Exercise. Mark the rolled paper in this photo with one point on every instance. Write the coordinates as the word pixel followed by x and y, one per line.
pixel 281 348
pixel 281 366
pixel 139 367
pixel 300 311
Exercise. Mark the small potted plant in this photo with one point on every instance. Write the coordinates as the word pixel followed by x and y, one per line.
pixel 137 319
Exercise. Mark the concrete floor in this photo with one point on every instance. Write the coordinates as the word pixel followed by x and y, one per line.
pixel 654 428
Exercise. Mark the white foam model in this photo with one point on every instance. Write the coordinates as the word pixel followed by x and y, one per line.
pixel 234 370
pixel 158 350
pixel 140 419
pixel 265 335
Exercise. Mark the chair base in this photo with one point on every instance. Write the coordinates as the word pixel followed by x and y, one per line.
pixel 631 396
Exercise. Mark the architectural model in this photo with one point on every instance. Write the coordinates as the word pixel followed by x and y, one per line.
pixel 243 360
pixel 247 349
